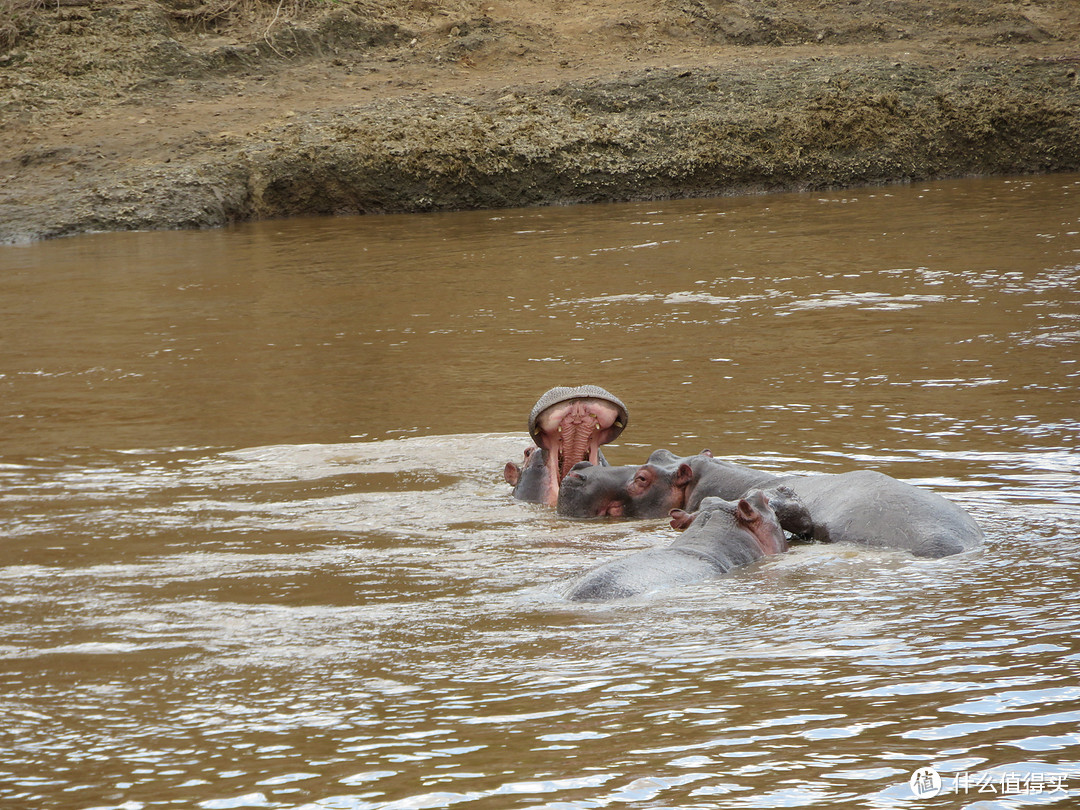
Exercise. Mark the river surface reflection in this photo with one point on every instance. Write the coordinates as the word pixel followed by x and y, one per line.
pixel 257 550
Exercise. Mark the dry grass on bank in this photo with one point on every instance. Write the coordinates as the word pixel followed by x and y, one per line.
pixel 263 17
pixel 232 13
pixel 254 17
pixel 15 17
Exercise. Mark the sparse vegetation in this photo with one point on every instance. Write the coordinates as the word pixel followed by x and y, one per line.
pixel 15 17
pixel 258 17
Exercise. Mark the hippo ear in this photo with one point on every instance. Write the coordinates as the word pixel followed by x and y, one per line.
pixel 512 473
pixel 680 519
pixel 745 511
pixel 706 452
pixel 683 476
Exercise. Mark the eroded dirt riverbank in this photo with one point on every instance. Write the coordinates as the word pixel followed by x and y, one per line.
pixel 158 115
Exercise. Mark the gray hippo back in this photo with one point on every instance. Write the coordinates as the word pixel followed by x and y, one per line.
pixel 722 536
pixel 873 509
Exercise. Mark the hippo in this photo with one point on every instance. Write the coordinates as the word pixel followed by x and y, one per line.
pixel 873 509
pixel 568 425
pixel 865 507
pixel 722 536
pixel 663 483
pixel 532 480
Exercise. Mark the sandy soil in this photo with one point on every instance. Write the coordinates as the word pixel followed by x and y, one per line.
pixel 142 114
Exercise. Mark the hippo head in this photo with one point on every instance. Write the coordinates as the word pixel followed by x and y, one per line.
pixel 794 516
pixel 651 490
pixel 532 480
pixel 716 518
pixel 569 425
pixel 593 491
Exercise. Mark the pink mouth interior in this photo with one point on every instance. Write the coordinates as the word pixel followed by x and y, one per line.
pixel 573 431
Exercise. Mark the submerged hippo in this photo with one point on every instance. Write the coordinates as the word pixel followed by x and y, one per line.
pixel 863 507
pixel 663 483
pixel 532 480
pixel 568 426
pixel 872 509
pixel 723 535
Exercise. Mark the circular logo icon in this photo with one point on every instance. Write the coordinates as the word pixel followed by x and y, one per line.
pixel 925 782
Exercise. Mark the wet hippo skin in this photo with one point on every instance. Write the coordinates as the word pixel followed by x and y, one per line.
pixel 723 535
pixel 864 507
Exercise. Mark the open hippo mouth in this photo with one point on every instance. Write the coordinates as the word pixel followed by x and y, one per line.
pixel 571 424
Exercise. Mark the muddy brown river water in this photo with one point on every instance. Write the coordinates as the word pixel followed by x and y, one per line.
pixel 256 550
